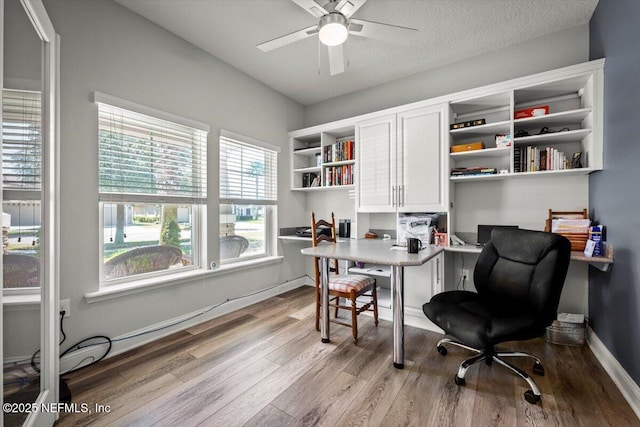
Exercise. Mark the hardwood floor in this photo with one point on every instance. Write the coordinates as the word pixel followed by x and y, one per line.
pixel 265 366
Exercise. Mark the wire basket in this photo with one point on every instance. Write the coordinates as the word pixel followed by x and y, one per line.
pixel 565 333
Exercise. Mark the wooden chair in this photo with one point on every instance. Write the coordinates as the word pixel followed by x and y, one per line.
pixel 347 286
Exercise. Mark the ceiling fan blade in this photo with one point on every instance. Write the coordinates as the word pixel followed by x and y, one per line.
pixel 375 30
pixel 288 39
pixel 336 59
pixel 312 7
pixel 349 7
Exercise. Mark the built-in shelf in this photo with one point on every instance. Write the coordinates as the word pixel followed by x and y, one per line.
pixel 564 172
pixel 329 187
pixel 486 152
pixel 555 137
pixel 481 130
pixel 491 177
pixel 309 169
pixel 372 270
pixel 307 151
pixel 555 119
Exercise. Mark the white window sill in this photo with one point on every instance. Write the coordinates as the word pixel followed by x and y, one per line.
pixel 19 300
pixel 116 291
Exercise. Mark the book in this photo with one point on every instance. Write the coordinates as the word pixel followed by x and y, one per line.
pixel 473 171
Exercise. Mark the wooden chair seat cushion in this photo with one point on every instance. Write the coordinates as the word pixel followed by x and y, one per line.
pixel 351 282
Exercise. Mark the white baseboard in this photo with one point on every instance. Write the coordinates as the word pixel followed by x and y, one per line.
pixel 151 333
pixel 629 389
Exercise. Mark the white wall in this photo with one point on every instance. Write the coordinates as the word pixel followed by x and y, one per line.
pixel 107 48
pixel 545 53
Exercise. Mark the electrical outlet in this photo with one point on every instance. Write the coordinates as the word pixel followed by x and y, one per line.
pixel 465 274
pixel 65 305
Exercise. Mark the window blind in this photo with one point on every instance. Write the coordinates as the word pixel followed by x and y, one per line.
pixel 145 159
pixel 248 174
pixel 21 139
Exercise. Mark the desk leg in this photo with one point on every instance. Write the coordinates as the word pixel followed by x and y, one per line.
pixel 324 299
pixel 397 277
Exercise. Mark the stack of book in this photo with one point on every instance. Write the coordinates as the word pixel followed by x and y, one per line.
pixel 339 175
pixel 339 152
pixel 534 159
pixel 476 170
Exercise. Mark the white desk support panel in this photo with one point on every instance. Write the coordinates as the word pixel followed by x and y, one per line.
pixel 372 251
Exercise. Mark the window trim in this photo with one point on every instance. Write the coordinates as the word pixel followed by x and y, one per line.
pixel 271 206
pixel 199 209
pixel 197 250
pixel 29 194
pixel 99 97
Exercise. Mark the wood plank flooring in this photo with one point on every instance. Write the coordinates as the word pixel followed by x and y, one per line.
pixel 265 366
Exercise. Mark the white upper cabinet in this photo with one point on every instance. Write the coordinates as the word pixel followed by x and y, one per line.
pixel 421 187
pixel 400 161
pixel 376 187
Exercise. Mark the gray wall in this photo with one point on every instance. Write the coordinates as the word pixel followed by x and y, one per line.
pixel 545 53
pixel 107 48
pixel 614 296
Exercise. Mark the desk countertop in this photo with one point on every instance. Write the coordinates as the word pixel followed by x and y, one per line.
pixel 374 251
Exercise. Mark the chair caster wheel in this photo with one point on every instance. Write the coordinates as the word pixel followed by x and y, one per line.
pixel 538 369
pixel 530 397
pixel 442 350
pixel 458 380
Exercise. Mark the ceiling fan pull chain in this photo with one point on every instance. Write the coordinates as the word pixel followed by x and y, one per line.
pixel 319 47
pixel 346 53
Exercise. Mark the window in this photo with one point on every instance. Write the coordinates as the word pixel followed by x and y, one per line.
pixel 152 192
pixel 21 185
pixel 248 198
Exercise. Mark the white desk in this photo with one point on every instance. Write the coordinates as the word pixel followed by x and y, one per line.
pixel 373 251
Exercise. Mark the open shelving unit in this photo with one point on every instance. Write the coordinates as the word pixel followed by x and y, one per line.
pixel 568 128
pixel 323 159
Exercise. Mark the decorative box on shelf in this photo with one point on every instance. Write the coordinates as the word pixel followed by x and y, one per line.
pixel 540 110
pixel 467 147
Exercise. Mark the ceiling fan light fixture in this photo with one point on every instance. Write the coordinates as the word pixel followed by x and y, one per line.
pixel 333 29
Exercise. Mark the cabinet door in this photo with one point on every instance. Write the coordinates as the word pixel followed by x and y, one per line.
pixel 376 156
pixel 420 284
pixel 420 181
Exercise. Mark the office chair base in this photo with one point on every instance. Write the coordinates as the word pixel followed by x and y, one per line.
pixel 532 396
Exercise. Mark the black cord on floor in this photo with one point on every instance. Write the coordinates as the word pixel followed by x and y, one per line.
pixel 105 340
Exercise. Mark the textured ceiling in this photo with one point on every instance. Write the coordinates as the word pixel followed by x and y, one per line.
pixel 449 30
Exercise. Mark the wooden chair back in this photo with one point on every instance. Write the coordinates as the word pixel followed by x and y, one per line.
pixel 317 238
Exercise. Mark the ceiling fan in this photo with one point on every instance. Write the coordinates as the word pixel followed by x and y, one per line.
pixel 334 27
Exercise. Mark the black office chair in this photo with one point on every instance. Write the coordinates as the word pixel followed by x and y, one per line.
pixel 519 277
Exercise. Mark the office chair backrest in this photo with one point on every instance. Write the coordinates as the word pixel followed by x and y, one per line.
pixel 523 270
